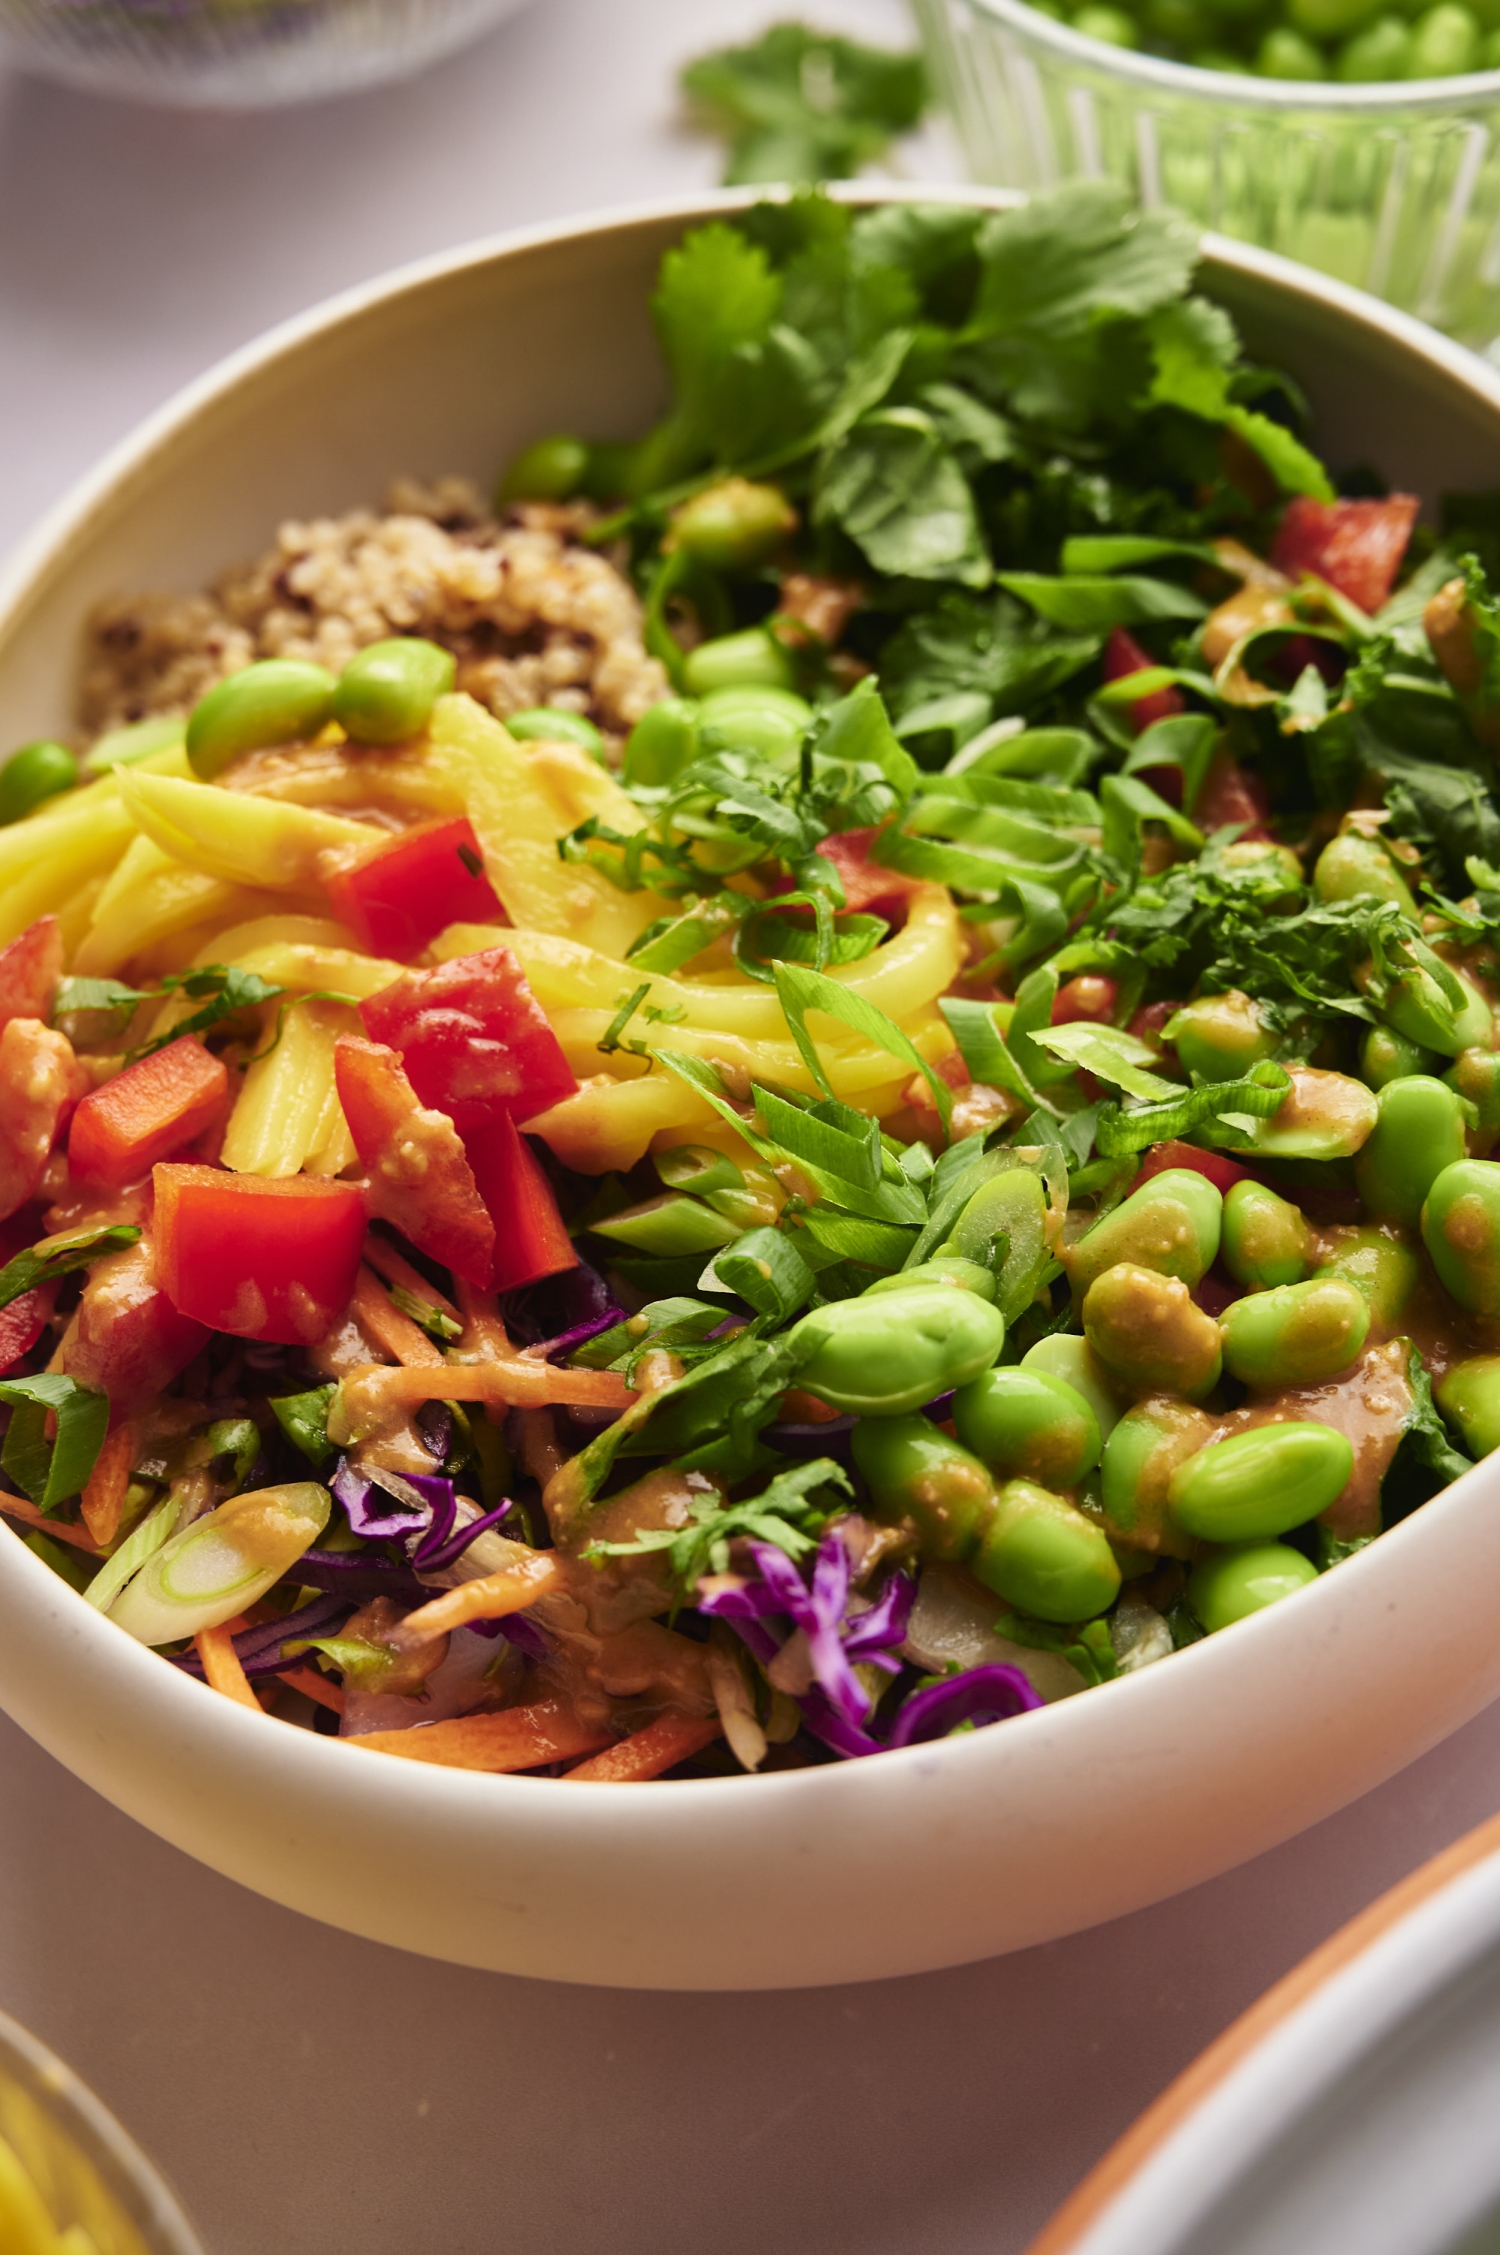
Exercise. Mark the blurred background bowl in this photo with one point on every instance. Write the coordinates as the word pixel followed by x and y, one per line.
pixel 87 2171
pixel 236 54
pixel 1393 187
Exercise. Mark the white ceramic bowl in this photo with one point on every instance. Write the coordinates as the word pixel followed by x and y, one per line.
pixel 906 1861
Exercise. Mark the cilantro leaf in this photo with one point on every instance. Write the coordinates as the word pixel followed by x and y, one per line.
pixel 791 1512
pixel 802 105
pixel 897 490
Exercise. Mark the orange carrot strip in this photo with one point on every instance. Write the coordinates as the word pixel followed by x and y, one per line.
pixel 388 1327
pixel 387 1262
pixel 221 1665
pixel 660 1746
pixel 518 1738
pixel 306 1679
pixel 488 1598
pixel 17 1507
pixel 104 1496
pixel 374 1390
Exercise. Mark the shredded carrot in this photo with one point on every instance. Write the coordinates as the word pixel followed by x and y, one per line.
pixel 103 1498
pixel 387 1262
pixel 305 1679
pixel 373 1391
pixel 488 1598
pixel 221 1664
pixel 660 1746
pixel 388 1327
pixel 518 1738
pixel 17 1507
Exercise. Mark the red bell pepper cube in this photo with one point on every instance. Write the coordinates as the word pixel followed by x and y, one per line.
pixel 1221 1172
pixel 1088 998
pixel 473 1038
pixel 1357 546
pixel 23 1322
pixel 1124 656
pixel 126 1337
pixel 530 1239
pixel 409 889
pixel 29 971
pixel 419 1178
pixel 260 1259
pixel 865 883
pixel 157 1106
pixel 1232 793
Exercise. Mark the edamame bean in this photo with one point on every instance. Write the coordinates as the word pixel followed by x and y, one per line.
pixel 1043 1556
pixel 1220 1036
pixel 1295 1335
pixel 1469 1397
pixel 1461 1230
pixel 1230 1585
pixel 34 773
pixel 734 525
pixel 1260 1483
pixel 1171 1224
pixel 1322 1116
pixel 769 721
pixel 1064 1355
pixel 1140 1457
pixel 544 724
pixel 275 701
pixel 550 469
pixel 1266 1240
pixel 1329 19
pixel 1004 1228
pixel 1386 1056
pixel 1284 53
pixel 916 1471
pixel 387 691
pixel 1355 867
pixel 1417 1007
pixel 1112 25
pixel 1444 43
pixel 739 660
pixel 1419 1132
pixel 1380 1265
pixel 1475 1075
pixel 662 743
pixel 1021 1422
pixel 948 1268
pixel 886 1356
pixel 1148 1331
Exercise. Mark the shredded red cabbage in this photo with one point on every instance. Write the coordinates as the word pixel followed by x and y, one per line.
pixel 260 1649
pixel 991 1694
pixel 589 1329
pixel 837 1640
pixel 397 1511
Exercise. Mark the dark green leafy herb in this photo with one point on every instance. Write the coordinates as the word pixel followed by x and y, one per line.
pixel 802 105
pixel 55 1256
pixel 791 1512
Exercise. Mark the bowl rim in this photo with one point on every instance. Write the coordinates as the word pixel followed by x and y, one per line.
pixel 140 1673
pixel 1233 89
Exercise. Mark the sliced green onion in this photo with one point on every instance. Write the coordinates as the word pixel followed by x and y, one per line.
pixel 222 1562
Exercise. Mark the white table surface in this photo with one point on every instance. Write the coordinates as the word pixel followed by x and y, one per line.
pixel 307 2091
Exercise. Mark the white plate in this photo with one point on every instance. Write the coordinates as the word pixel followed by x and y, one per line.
pixel 906 1861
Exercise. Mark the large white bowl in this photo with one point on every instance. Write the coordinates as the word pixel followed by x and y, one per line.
pixel 906 1861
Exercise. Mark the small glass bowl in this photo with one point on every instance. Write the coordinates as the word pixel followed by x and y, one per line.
pixel 85 2168
pixel 236 54
pixel 1393 187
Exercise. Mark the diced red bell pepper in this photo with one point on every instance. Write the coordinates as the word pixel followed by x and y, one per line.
pixel 157 1106
pixel 530 1239
pixel 259 1259
pixel 1232 793
pixel 865 883
pixel 126 1337
pixel 29 971
pixel 1221 1172
pixel 1089 997
pixel 418 1175
pixel 23 1322
pixel 409 889
pixel 1124 656
pixel 1357 546
pixel 473 1038
pixel 40 1082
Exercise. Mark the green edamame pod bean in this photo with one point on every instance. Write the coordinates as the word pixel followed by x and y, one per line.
pixel 1380 1265
pixel 1469 1397
pixel 1101 21
pixel 1475 1075
pixel 1171 1224
pixel 387 691
pixel 1220 1036
pixel 1147 1330
pixel 1261 1482
pixel 1386 1056
pixel 734 525
pixel 1322 1116
pixel 1417 1007
pixel 1140 1457
pixel 550 469
pixel 1062 1354
pixel 1004 1228
pixel 769 721
pixel 1419 1132
pixel 916 1471
pixel 1295 1335
pixel 1230 1585
pixel 662 743
pixel 544 724
pixel 1444 43
pixel 1041 1554
pixel 1381 52
pixel 1284 53
pixel 946 1268
pixel 1329 19
pixel 1352 866
pixel 276 701
pixel 33 774
pixel 732 661
pixel 1461 1230
pixel 1021 1422
pixel 886 1356
pixel 1266 1240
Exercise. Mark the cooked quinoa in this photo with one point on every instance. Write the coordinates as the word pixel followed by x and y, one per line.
pixel 533 616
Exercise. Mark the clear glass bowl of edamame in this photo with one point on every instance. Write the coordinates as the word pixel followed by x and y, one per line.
pixel 236 54
pixel 1390 183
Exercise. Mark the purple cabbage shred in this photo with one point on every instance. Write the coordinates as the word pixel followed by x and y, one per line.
pixel 991 1694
